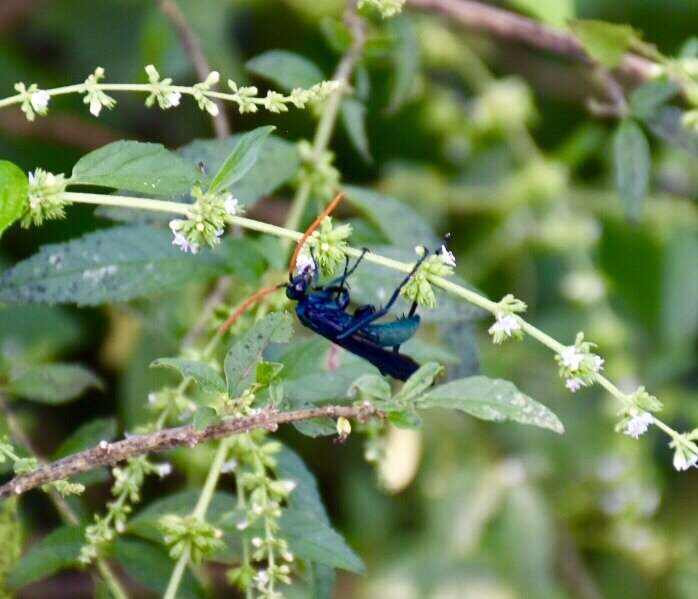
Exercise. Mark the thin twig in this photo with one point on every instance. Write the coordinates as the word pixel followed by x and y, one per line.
pixel 216 297
pixel 514 27
pixel 108 454
pixel 192 47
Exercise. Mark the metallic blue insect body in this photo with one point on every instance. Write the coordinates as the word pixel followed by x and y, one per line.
pixel 325 310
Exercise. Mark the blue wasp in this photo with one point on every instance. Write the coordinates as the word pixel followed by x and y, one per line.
pixel 324 309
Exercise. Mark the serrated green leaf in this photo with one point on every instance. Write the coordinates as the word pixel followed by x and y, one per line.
pixel 241 159
pixel 646 99
pixel 136 166
pixel 604 42
pixel 241 359
pixel 632 163
pixel 205 376
pixel 53 383
pixel 304 523
pixel 285 69
pixel 111 265
pixel 276 164
pixel 204 416
pixel 419 382
pixel 553 12
pixel 151 566
pixel 491 399
pixel 354 121
pixel 406 58
pixel 56 551
pixel 13 193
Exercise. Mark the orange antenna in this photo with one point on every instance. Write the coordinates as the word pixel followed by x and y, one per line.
pixel 311 229
pixel 253 299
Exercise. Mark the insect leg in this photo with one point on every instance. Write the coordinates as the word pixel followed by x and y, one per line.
pixel 369 318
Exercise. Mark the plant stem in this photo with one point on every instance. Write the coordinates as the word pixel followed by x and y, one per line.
pixel 323 133
pixel 177 574
pixel 199 512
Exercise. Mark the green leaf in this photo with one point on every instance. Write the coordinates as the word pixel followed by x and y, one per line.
pixel 266 372
pixel 285 69
pixel 604 42
pixel 354 121
pixel 241 359
pixel 151 566
pixel 406 58
pixel 491 399
pixel 336 34
pixel 321 581
pixel 205 376
pixel 398 222
pixel 241 159
pixel 276 165
pixel 408 419
pixel 204 416
pixel 244 258
pixel 136 166
pixel 632 162
pixel 376 387
pixel 419 382
pixel 679 312
pixel 646 99
pixel 305 525
pixel 317 542
pixel 111 265
pixel 53 383
pixel 553 12
pixel 13 193
pixel 56 551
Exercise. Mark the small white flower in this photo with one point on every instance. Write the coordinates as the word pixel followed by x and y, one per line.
pixel 638 425
pixel 257 542
pixel 262 579
pixel 574 384
pixel 172 98
pixel 152 398
pixel 184 244
pixel 229 466
pixel 242 525
pixel 288 485
pixel 305 264
pixel 231 205
pixel 39 101
pixel 597 363
pixel 95 107
pixel 684 458
pixel 447 257
pixel 504 326
pixel 571 358
pixel 164 469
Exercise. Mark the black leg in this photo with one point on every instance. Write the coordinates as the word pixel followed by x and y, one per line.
pixel 369 318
